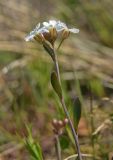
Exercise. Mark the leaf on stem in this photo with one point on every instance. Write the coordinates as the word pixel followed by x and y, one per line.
pixel 49 49
pixel 76 112
pixel 55 84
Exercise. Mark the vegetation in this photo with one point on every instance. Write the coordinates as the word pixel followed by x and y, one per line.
pixel 26 94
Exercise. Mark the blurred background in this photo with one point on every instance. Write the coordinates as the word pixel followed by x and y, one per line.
pixel 86 65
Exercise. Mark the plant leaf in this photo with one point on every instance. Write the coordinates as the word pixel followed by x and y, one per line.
pixel 49 49
pixel 76 112
pixel 55 84
pixel 33 147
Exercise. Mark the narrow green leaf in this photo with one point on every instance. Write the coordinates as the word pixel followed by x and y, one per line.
pixel 32 146
pixel 55 84
pixel 76 112
pixel 49 49
pixel 38 148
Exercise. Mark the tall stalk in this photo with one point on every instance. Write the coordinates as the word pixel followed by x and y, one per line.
pixel 92 122
pixel 46 34
pixel 65 109
pixel 58 148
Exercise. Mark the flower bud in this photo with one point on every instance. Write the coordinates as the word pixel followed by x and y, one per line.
pixel 55 123
pixel 53 34
pixel 65 121
pixel 40 38
pixel 65 33
pixel 60 123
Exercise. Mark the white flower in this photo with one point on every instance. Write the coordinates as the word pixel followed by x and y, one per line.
pixel 51 23
pixel 59 26
pixel 35 32
pixel 46 27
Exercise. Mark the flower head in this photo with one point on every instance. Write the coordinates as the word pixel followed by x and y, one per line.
pixel 49 30
pixel 36 33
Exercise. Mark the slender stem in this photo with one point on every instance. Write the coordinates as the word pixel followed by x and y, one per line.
pixel 57 67
pixel 66 112
pixel 92 122
pixel 57 146
pixel 60 44
pixel 72 129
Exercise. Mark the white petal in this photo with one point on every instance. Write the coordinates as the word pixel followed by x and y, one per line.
pixel 52 22
pixel 74 30
pixel 29 38
pixel 43 30
pixel 59 29
pixel 37 26
pixel 46 24
pixel 61 24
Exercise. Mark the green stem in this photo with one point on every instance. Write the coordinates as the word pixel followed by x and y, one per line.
pixel 58 148
pixel 60 44
pixel 66 111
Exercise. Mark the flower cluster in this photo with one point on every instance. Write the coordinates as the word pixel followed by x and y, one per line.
pixel 49 31
pixel 58 125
